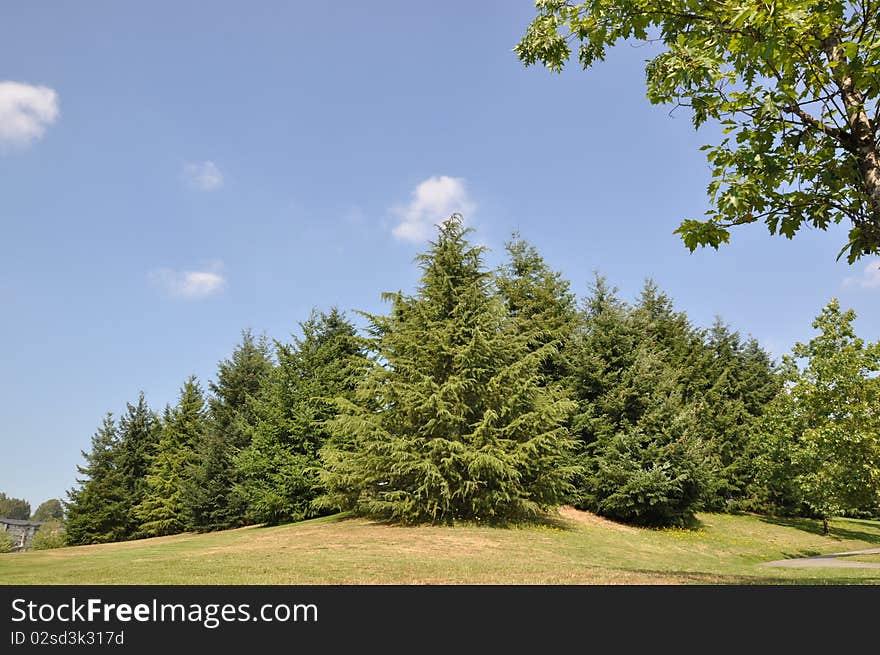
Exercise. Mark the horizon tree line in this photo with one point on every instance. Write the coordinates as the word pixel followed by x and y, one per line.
pixel 494 396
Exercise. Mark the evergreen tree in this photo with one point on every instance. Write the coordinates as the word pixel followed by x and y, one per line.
pixel 453 420
pixel 139 430
pixel 279 468
pixel 209 487
pixel 636 420
pixel 97 506
pixel 671 335
pixel 738 381
pixel 603 347
pixel 539 301
pixel 161 512
pixel 14 508
pixel 651 469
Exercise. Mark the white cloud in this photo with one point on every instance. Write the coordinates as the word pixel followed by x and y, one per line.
pixel 432 202
pixel 25 112
pixel 869 279
pixel 191 285
pixel 203 175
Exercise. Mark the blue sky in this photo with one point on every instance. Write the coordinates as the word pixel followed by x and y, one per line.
pixel 171 173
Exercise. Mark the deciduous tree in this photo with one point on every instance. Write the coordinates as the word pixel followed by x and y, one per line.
pixel 836 399
pixel 50 510
pixel 794 85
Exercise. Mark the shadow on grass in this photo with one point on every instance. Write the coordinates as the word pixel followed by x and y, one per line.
pixel 814 526
pixel 336 517
pixel 801 554
pixel 711 579
pixel 692 524
pixel 549 520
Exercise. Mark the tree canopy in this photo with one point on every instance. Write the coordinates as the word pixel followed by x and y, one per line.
pixel 162 509
pixel 210 493
pixel 279 469
pixel 14 508
pixel 50 510
pixel 794 85
pixel 453 421
pixel 492 396
pixel 836 395
pixel 97 510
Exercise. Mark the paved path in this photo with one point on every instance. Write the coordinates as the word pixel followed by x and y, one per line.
pixel 834 560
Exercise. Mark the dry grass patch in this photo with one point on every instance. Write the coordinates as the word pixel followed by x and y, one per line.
pixel 580 517
pixel 573 547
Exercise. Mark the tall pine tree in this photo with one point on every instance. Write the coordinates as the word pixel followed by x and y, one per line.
pixel 452 421
pixel 97 507
pixel 639 446
pixel 738 380
pixel 540 303
pixel 649 466
pixel 162 512
pixel 209 486
pixel 139 430
pixel 279 469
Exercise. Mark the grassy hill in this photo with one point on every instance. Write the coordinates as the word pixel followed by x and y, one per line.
pixel 577 548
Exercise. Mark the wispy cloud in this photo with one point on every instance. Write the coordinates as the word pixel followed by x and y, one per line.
pixel 25 113
pixel 432 201
pixel 869 279
pixel 203 175
pixel 191 285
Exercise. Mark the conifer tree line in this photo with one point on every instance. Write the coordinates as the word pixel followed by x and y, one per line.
pixel 494 396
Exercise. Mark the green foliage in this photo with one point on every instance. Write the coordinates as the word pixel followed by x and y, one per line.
pixel 793 84
pixel 539 302
pixel 51 510
pixel 7 543
pixel 50 535
pixel 819 445
pixel 453 420
pixel 650 471
pixel 836 397
pixel 97 507
pixel 14 508
pixel 775 488
pixel 657 405
pixel 162 511
pixel 737 381
pixel 209 495
pixel 279 469
pixel 139 432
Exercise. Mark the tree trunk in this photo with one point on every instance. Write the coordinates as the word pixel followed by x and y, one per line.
pixel 869 164
pixel 861 142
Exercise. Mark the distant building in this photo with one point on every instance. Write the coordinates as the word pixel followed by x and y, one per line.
pixel 22 532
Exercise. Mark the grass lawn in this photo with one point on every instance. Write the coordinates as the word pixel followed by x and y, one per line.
pixel 577 548
pixel 873 558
